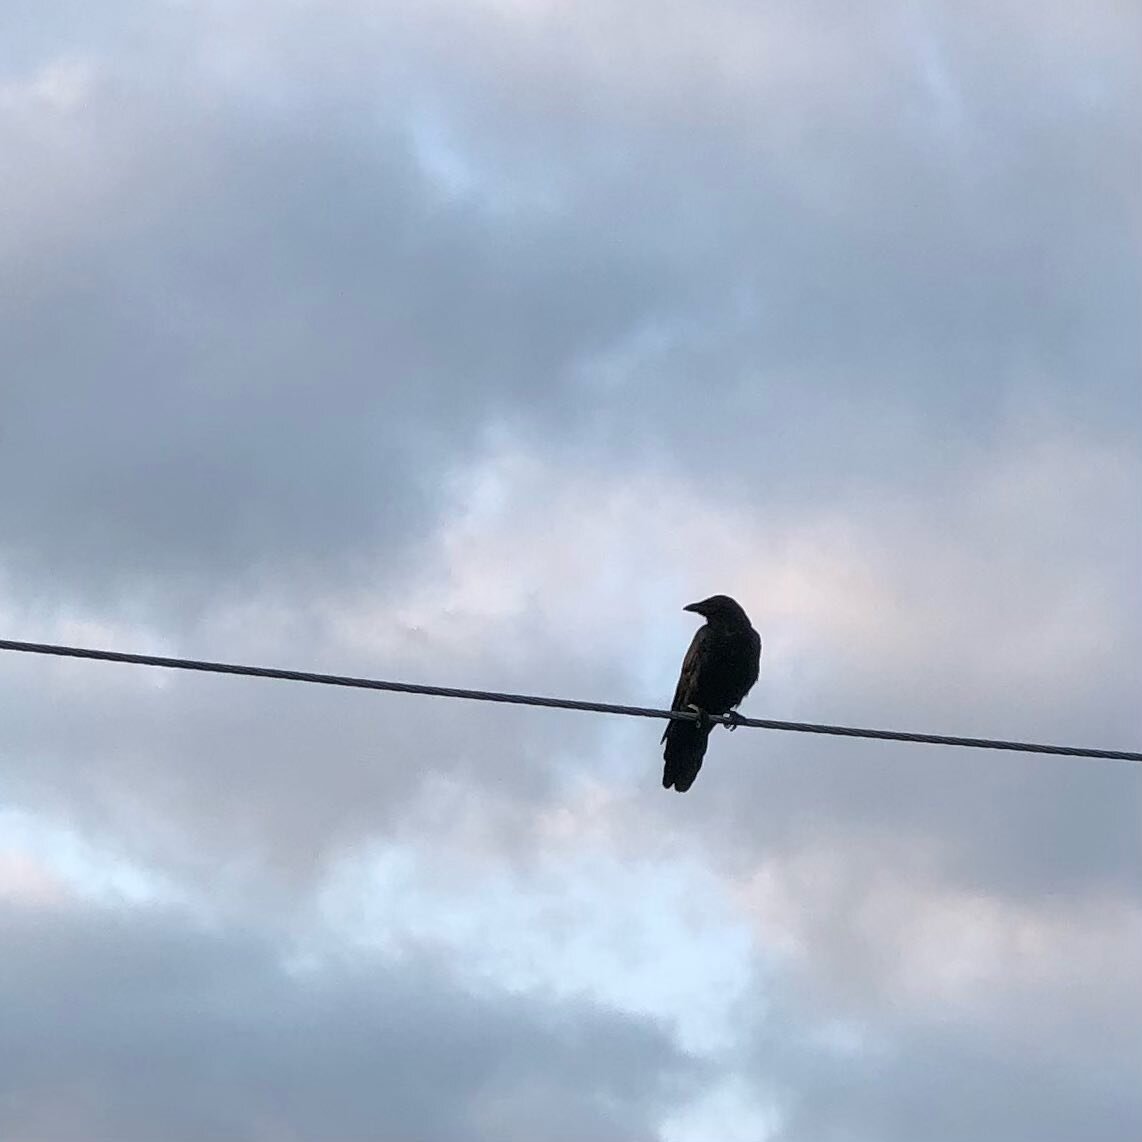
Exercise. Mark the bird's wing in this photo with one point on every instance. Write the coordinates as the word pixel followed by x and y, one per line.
pixel 691 664
pixel 755 665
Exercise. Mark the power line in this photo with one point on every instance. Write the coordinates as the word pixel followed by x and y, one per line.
pixel 556 703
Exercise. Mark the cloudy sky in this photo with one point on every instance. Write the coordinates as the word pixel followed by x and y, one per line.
pixel 464 341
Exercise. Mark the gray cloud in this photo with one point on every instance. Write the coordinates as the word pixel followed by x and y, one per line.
pixel 287 777
pixel 128 1026
pixel 949 1084
pixel 269 331
pixel 844 307
pixel 1039 1043
pixel 276 338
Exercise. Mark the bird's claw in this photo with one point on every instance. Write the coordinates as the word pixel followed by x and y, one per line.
pixel 703 719
pixel 733 720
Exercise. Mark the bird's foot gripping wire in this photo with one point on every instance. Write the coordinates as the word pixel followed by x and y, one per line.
pixel 733 720
pixel 703 720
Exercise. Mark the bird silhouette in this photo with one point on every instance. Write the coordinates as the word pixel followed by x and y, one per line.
pixel 718 671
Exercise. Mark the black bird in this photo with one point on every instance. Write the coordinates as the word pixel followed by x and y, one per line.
pixel 718 671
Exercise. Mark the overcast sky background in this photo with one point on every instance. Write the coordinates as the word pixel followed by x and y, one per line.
pixel 465 342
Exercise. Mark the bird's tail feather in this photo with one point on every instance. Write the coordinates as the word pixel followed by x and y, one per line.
pixel 685 748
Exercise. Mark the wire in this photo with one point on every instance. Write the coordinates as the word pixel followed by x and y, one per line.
pixel 557 703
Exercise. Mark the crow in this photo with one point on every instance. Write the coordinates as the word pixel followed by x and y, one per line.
pixel 718 671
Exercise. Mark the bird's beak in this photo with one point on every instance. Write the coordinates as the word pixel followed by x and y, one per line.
pixel 697 608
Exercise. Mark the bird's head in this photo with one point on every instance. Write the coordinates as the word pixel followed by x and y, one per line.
pixel 721 610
